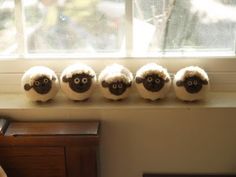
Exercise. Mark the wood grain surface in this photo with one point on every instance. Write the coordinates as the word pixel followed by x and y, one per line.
pixel 52 128
pixel 50 149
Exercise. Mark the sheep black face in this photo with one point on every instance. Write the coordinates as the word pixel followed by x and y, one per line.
pixel 152 82
pixel 192 84
pixel 79 82
pixel 41 85
pixel 116 88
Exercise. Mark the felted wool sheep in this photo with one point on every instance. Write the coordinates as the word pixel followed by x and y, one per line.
pixel 115 82
pixel 40 84
pixel 152 81
pixel 191 84
pixel 78 82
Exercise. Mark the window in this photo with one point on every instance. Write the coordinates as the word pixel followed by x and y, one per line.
pixel 186 26
pixel 125 27
pixel 8 43
pixel 74 26
pixel 62 26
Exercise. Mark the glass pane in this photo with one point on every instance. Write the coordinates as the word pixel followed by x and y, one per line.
pixel 80 26
pixel 184 26
pixel 7 28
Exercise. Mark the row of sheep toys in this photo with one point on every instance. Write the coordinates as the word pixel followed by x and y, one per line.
pixel 78 81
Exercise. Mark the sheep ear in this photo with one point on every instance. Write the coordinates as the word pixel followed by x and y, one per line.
pixel 53 78
pixel 105 84
pixel 27 87
pixel 167 80
pixel 205 82
pixel 180 83
pixel 129 84
pixel 64 79
pixel 138 80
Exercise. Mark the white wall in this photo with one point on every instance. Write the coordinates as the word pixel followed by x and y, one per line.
pixel 134 141
pixel 169 141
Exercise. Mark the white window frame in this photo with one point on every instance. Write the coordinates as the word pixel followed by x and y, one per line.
pixel 221 69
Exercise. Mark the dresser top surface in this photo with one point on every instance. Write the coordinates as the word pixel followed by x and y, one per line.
pixel 52 128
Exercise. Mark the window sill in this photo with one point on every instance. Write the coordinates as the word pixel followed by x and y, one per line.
pixel 20 102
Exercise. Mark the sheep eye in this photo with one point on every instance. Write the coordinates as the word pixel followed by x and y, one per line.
pixel 149 79
pixel 37 83
pixel 45 81
pixel 189 83
pixel 195 82
pixel 84 80
pixel 120 86
pixel 77 80
pixel 114 86
pixel 157 81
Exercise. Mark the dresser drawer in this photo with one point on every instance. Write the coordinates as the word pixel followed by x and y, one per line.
pixel 33 161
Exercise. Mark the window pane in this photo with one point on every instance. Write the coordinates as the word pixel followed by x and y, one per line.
pixel 80 26
pixel 7 28
pixel 185 26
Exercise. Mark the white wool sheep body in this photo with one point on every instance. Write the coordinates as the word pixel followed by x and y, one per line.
pixel 118 75
pixel 80 73
pixel 144 87
pixel 31 79
pixel 191 90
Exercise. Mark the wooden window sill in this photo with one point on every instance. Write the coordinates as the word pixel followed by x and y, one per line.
pixel 97 102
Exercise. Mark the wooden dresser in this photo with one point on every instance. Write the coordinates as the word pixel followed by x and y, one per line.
pixel 49 149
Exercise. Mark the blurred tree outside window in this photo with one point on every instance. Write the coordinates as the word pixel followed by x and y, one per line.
pixel 75 26
pixel 188 25
pixel 8 43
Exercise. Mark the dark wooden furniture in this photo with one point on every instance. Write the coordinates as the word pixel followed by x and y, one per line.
pixel 189 175
pixel 44 149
